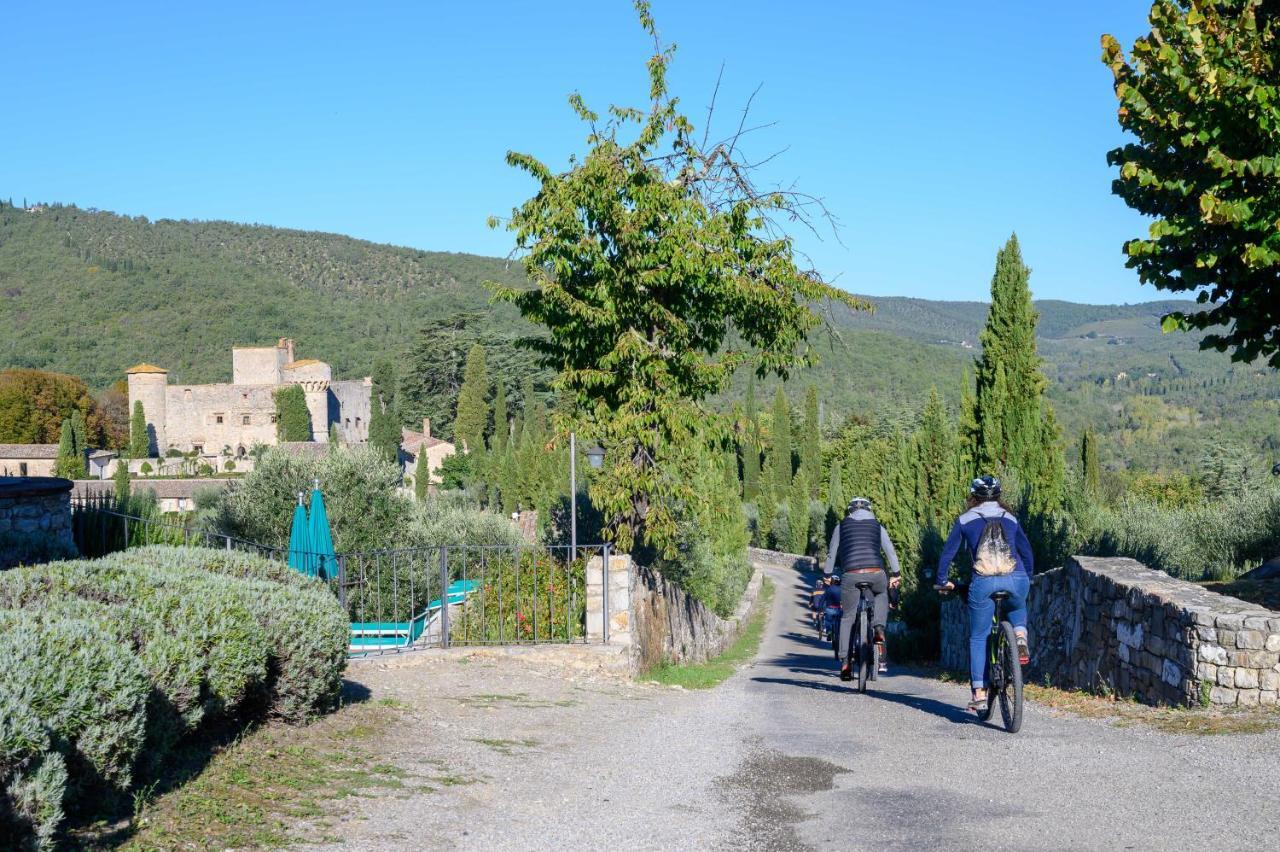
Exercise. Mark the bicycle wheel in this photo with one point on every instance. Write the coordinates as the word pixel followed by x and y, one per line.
pixel 1010 693
pixel 863 627
pixel 991 677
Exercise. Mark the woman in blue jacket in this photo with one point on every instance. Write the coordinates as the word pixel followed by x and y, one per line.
pixel 1002 562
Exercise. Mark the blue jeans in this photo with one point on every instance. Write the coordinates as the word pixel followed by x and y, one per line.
pixel 982 609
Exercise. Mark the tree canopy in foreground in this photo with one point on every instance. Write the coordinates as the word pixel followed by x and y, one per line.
pixel 1200 93
pixel 658 272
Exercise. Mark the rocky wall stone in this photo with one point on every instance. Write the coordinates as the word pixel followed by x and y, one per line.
pixel 35 518
pixel 1114 626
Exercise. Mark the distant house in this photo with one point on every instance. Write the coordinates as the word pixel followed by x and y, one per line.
pixel 28 459
pixel 414 443
pixel 172 495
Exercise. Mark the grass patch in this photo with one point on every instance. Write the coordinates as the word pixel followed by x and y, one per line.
pixel 1202 721
pixel 519 699
pixel 715 671
pixel 507 747
pixel 1265 593
pixel 252 791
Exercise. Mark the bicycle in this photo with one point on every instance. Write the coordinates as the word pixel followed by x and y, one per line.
pixel 862 647
pixel 1002 673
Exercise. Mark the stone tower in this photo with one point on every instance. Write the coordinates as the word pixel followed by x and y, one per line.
pixel 317 392
pixel 149 384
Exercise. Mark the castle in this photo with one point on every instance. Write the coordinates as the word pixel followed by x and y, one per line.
pixel 228 419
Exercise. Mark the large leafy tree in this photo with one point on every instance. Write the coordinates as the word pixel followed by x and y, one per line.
pixel 645 254
pixel 33 404
pixel 1201 92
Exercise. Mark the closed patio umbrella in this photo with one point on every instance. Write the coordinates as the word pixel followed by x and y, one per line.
pixel 325 560
pixel 300 541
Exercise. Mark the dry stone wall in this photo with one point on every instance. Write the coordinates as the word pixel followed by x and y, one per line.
pixel 1113 625
pixel 658 621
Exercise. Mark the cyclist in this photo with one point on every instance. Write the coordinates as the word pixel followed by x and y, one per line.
pixel 1002 562
pixel 856 546
pixel 816 596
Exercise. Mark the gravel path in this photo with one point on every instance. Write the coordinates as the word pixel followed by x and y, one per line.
pixel 784 756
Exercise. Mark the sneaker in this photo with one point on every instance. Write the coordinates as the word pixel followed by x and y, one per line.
pixel 883 666
pixel 978 705
pixel 1024 653
pixel 846 673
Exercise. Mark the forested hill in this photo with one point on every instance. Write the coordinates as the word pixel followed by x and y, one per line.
pixel 91 293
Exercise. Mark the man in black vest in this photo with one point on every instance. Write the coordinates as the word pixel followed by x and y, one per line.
pixel 856 546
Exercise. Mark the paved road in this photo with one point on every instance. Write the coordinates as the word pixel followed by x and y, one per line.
pixel 785 756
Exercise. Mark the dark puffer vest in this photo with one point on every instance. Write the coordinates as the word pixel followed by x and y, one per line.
pixel 860 544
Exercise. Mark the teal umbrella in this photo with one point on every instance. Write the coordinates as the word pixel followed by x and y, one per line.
pixel 326 561
pixel 300 540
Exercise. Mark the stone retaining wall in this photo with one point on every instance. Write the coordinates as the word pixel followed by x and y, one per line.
pixel 656 620
pixel 1114 625
pixel 35 519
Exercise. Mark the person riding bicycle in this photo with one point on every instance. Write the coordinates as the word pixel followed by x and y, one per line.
pixel 816 597
pixel 856 546
pixel 1002 562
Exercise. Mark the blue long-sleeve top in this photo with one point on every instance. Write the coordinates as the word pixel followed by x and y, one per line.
pixel 968 529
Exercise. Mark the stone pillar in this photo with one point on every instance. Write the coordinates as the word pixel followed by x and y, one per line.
pixel 150 386
pixel 317 393
pixel 619 600
pixel 35 518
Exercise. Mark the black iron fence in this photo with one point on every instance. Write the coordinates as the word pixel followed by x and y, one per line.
pixel 401 600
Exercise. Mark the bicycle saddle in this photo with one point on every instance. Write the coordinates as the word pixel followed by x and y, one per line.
pixel 999 596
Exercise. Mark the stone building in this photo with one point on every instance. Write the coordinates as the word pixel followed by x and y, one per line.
pixel 414 443
pixel 228 419
pixel 28 459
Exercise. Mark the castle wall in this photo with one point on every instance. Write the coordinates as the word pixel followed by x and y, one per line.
pixel 350 408
pixel 194 412
pixel 260 365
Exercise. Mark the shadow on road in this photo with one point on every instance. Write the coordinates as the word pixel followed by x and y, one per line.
pixel 950 712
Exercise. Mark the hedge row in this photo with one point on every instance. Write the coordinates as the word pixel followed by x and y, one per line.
pixel 109 663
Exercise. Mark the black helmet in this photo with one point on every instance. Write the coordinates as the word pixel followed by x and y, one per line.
pixel 859 503
pixel 985 487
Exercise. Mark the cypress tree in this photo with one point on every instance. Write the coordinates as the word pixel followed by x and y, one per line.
pixel 78 431
pixel 798 513
pixel 384 417
pixel 780 453
pixel 810 442
pixel 1015 430
pixel 139 439
pixel 293 418
pixel 1089 468
pixel 473 406
pixel 501 420
pixel 421 475
pixel 940 482
pixel 751 447
pixel 123 486
pixel 68 464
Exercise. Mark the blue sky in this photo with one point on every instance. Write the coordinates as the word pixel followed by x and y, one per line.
pixel 932 129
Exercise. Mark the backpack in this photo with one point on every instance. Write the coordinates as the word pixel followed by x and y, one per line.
pixel 993 557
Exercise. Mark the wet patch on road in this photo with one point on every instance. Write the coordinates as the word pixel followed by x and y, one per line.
pixel 761 789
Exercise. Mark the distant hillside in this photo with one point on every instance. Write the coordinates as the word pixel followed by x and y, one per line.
pixel 91 293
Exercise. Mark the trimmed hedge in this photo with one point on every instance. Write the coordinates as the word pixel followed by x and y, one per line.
pixel 117 659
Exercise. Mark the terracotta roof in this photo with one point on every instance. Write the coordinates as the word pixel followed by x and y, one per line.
pixel 145 368
pixel 411 441
pixel 305 362
pixel 164 489
pixel 28 451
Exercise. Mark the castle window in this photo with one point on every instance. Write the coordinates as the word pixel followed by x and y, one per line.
pixel 186 395
pixel 244 396
pixel 198 449
pixel 357 424
pixel 348 423
pixel 22 468
pixel 273 418
pixel 217 418
pixel 244 421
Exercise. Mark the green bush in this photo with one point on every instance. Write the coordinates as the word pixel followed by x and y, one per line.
pixel 109 663
pixel 360 487
pixel 33 777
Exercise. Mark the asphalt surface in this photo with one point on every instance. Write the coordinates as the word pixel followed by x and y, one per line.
pixel 785 756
